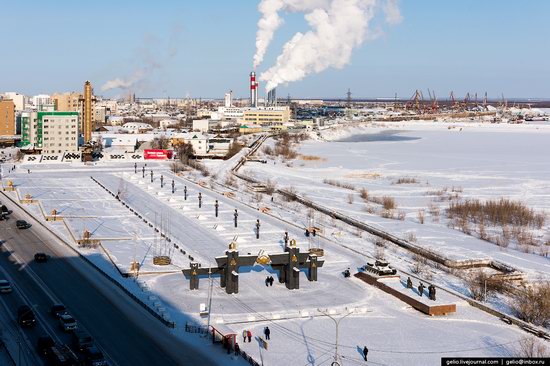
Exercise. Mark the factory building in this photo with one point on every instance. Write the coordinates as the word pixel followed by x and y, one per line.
pixel 51 132
pixel 266 115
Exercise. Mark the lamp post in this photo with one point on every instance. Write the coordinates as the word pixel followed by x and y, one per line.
pixel 337 324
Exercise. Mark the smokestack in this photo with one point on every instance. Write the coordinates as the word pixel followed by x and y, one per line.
pixel 253 90
pixel 272 98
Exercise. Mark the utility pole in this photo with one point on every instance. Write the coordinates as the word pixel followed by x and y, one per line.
pixel 337 360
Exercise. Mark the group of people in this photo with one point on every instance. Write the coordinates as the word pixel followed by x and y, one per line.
pixel 269 281
pixel 421 287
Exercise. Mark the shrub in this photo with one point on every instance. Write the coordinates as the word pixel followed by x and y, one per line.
pixel 533 304
pixel 350 198
pixel 482 284
pixel 420 216
pixel 406 180
pixel 388 203
pixel 270 187
pixel 364 193
pixel 339 184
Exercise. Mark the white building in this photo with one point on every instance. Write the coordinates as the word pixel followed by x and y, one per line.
pixel 230 112
pixel 228 99
pixel 40 101
pixel 136 127
pixel 60 134
pixel 204 125
pixel 18 100
pixel 165 123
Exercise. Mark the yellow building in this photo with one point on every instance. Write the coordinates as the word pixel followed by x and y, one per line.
pixel 67 102
pixel 7 118
pixel 266 115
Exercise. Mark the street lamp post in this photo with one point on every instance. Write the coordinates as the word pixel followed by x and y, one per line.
pixel 337 324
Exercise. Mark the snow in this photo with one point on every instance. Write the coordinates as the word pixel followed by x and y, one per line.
pixel 483 161
pixel 301 334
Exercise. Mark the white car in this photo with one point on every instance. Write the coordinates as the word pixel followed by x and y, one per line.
pixel 5 286
pixel 67 322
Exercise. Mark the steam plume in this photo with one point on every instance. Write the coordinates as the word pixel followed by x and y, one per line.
pixel 337 27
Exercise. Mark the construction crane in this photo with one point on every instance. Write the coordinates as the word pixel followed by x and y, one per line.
pixel 454 102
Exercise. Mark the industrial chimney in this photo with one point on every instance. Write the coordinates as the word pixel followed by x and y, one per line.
pixel 253 90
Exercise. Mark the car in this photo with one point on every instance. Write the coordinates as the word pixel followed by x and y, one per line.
pixel 57 310
pixel 5 286
pixel 22 224
pixel 40 257
pixel 43 344
pixel 81 340
pixel 62 356
pixel 94 357
pixel 67 322
pixel 25 316
pixel 5 211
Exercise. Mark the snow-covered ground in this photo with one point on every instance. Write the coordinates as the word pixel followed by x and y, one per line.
pixel 469 160
pixel 395 333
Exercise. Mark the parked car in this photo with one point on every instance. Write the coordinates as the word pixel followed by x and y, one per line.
pixel 25 316
pixel 5 211
pixel 67 322
pixel 62 356
pixel 81 340
pixel 94 357
pixel 57 310
pixel 22 224
pixel 5 286
pixel 43 344
pixel 40 257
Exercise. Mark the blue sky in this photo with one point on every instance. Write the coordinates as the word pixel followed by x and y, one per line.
pixel 204 48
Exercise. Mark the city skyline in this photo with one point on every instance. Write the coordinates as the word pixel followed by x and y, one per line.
pixel 203 50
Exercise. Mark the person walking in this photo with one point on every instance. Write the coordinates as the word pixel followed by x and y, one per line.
pixel 249 335
pixel 267 332
pixel 267 281
pixel 365 352
pixel 421 289
pixel 409 283
pixel 271 279
pixel 244 335
pixel 237 349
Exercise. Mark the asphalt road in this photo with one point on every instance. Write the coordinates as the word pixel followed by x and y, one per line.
pixel 126 333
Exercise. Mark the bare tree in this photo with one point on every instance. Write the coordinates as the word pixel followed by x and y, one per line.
pixel 531 347
pixel 533 304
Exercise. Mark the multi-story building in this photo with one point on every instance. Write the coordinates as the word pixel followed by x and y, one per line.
pixel 18 100
pixel 51 132
pixel 266 115
pixel 67 102
pixel 7 121
pixel 42 102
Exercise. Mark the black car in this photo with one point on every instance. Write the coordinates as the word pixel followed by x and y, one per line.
pixel 4 210
pixel 62 356
pixel 40 257
pixel 94 357
pixel 81 340
pixel 43 344
pixel 57 310
pixel 22 224
pixel 25 316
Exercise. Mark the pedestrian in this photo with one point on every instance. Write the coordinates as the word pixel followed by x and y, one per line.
pixel 421 289
pixel 409 283
pixel 271 198
pixel 249 335
pixel 28 171
pixel 244 336
pixel 271 279
pixel 267 332
pixel 266 281
pixel 237 349
pixel 365 352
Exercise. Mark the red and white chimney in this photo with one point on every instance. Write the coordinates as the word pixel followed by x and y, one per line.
pixel 253 90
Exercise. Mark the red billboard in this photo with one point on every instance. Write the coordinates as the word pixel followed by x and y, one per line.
pixel 157 154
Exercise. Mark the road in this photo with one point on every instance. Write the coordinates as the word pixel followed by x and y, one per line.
pixel 127 333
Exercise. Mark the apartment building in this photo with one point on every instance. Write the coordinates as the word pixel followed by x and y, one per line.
pixel 50 132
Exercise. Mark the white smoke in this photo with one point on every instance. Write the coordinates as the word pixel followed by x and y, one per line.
pixel 337 27
pixel 271 20
pixel 124 83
